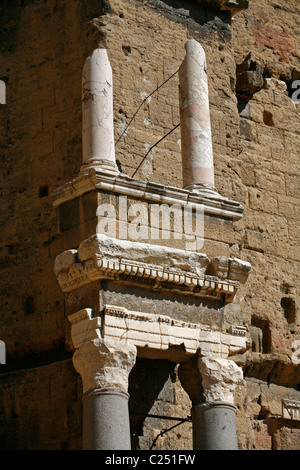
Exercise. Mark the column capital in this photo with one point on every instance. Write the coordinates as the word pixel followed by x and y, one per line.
pixel 104 363
pixel 219 377
pixel 210 379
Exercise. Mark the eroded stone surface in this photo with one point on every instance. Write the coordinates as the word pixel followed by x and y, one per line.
pixel 147 253
pixel 219 378
pixel 64 260
pixel 291 409
pixel 104 257
pixel 260 173
pixel 104 363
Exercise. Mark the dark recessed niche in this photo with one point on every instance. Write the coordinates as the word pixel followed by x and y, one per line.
pixel 43 191
pixel 268 118
pixel 263 334
pixel 288 306
pixel 28 305
pixel 126 49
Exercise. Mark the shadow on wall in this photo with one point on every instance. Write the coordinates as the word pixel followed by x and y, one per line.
pixel 204 18
pixel 149 386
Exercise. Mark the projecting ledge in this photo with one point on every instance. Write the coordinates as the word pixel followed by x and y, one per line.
pixel 159 267
pixel 91 179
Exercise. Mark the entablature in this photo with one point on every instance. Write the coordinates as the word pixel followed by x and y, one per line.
pixel 156 336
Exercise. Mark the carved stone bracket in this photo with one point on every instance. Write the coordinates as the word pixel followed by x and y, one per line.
pixel 102 257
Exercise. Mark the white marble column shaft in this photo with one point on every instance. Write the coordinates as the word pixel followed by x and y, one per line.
pixel 196 141
pixel 97 114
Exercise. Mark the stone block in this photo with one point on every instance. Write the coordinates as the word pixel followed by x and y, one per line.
pixel 248 130
pixel 255 241
pixel 249 78
pixel 293 185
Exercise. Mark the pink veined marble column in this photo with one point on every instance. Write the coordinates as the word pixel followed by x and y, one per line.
pixel 196 142
pixel 97 114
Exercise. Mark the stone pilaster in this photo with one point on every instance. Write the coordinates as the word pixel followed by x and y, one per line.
pixel 104 366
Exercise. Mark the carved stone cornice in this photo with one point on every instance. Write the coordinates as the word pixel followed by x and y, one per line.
pixel 92 179
pixel 102 257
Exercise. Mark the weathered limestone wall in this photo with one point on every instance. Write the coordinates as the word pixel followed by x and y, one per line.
pixel 43 48
pixel 255 144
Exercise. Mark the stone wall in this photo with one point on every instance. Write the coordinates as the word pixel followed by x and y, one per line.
pixel 256 144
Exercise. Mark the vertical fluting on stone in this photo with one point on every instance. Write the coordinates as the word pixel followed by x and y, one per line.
pixel 98 145
pixel 196 141
pixel 104 366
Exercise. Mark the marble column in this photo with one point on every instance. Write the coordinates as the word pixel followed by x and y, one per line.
pixel 196 141
pixel 211 382
pixel 98 145
pixel 104 366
